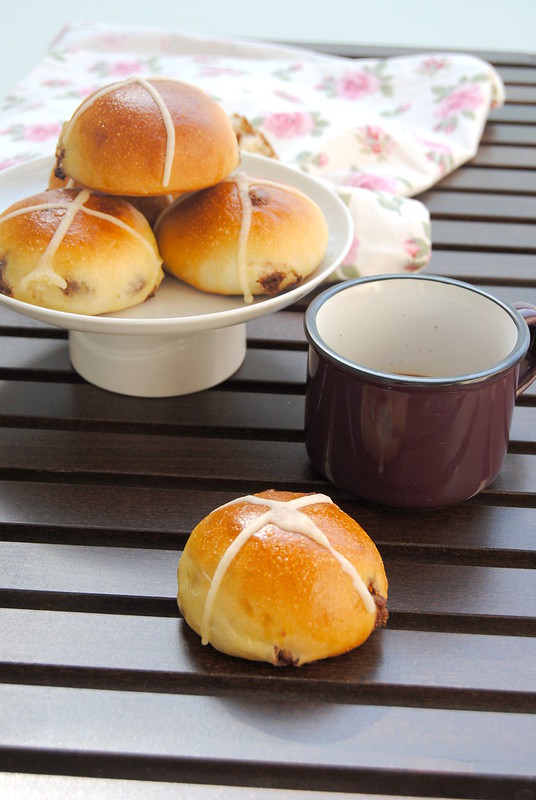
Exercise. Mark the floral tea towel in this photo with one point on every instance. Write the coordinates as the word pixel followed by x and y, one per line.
pixel 380 131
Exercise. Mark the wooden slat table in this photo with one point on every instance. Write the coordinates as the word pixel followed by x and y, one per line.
pixel 104 691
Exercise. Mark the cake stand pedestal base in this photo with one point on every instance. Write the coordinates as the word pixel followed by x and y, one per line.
pixel 158 365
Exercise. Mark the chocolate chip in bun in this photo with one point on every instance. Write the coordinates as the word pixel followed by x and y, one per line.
pixel 245 236
pixel 282 577
pixel 147 137
pixel 77 251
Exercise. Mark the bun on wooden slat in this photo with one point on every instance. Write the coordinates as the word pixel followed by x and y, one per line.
pixel 282 577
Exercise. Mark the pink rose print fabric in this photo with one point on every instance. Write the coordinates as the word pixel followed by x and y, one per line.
pixel 378 131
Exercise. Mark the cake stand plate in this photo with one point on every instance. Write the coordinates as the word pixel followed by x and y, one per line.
pixel 181 340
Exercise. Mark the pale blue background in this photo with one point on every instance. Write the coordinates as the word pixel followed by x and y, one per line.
pixel 28 26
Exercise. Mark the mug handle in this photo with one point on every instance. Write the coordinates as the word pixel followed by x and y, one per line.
pixel 527 372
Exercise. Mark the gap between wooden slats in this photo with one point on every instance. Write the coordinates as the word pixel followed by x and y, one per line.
pixel 295 744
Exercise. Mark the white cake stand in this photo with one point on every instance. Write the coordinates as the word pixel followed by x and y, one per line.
pixel 181 340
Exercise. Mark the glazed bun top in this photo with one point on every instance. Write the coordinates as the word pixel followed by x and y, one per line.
pixel 282 577
pixel 147 137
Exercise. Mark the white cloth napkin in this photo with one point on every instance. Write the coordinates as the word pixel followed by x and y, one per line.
pixel 379 130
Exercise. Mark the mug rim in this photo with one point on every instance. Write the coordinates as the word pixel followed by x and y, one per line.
pixel 514 356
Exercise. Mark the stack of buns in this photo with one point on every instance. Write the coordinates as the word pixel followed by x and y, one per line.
pixel 155 165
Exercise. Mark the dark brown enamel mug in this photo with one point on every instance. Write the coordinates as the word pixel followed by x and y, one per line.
pixel 411 387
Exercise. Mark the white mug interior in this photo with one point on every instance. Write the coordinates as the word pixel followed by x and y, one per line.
pixel 418 327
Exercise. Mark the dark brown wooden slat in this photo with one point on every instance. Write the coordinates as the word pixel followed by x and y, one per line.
pixel 514 113
pixel 504 237
pixel 458 590
pixel 521 93
pixel 288 331
pixel 504 134
pixel 471 532
pixel 476 206
pixel 523 429
pixel 418 588
pixel 21 357
pixel 163 655
pixel 364 746
pixel 84 406
pixel 72 570
pixel 488 179
pixel 503 156
pixel 48 357
pixel 506 268
pixel 62 453
pixel 521 76
pixel 107 514
pixel 516 472
pixel 100 454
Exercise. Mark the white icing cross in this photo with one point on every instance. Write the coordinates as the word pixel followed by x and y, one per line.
pixel 243 183
pixel 287 516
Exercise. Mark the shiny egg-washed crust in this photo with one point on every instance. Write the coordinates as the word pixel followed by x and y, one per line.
pixel 284 598
pixel 116 143
pixel 106 265
pixel 198 238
